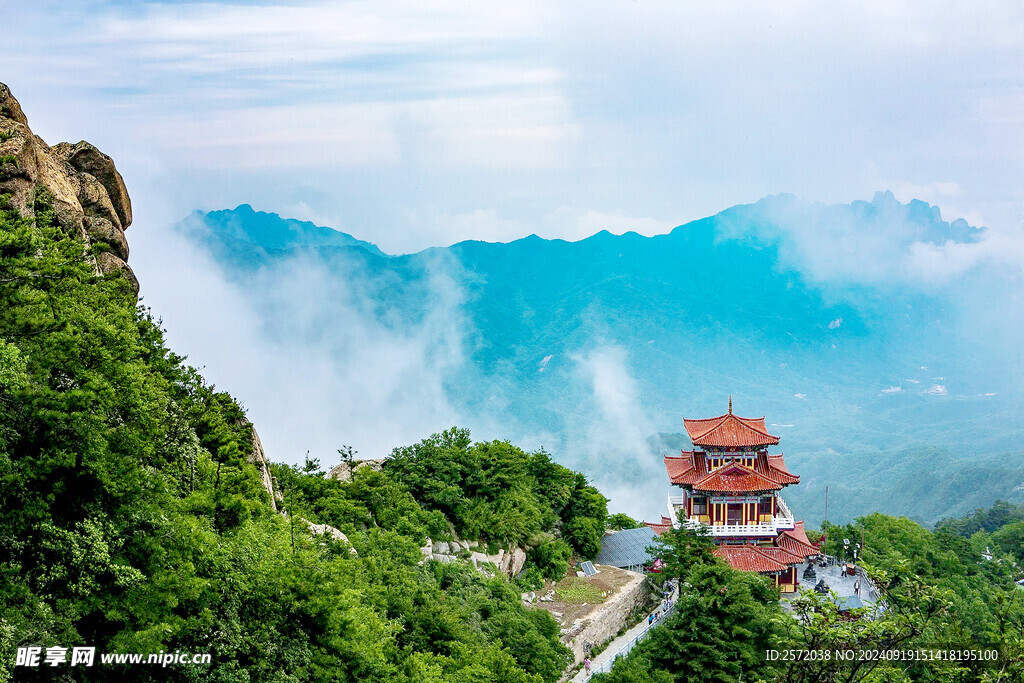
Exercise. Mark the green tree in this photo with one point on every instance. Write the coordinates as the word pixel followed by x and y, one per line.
pixel 1010 539
pixel 621 520
pixel 552 558
pixel 585 534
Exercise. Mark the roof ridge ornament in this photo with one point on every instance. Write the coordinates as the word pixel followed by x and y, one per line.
pixel 730 405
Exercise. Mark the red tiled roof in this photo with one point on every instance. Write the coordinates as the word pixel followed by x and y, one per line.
pixel 681 468
pixel 659 529
pixel 795 541
pixel 799 533
pixel 778 463
pixel 690 468
pixel 748 558
pixel 782 555
pixel 773 467
pixel 729 431
pixel 735 478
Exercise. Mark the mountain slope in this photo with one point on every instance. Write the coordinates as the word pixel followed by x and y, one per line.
pixel 591 347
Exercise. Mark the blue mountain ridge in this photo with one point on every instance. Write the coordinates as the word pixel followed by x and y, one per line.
pixel 845 371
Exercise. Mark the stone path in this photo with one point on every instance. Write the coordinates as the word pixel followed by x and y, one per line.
pixel 838 581
pixel 603 662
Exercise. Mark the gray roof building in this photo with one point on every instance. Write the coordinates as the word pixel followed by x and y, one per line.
pixel 627 549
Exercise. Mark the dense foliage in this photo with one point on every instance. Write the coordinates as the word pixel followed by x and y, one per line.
pixel 1000 527
pixel 132 520
pixel 988 520
pixel 496 491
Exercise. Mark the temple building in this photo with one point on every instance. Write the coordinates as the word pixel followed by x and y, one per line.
pixel 731 485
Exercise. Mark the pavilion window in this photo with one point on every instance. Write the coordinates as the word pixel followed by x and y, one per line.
pixel 700 505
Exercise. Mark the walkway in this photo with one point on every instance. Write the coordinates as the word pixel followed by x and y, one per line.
pixel 603 662
pixel 842 584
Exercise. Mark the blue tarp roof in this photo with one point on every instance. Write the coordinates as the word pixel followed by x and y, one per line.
pixel 626 548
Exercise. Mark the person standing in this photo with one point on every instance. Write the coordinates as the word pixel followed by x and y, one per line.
pixel 586 666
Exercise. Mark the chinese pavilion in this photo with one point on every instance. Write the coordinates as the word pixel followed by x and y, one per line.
pixel 730 485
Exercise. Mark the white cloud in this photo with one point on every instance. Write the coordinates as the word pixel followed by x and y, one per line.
pixel 315 368
pixel 620 110
pixel 999 248
pixel 617 429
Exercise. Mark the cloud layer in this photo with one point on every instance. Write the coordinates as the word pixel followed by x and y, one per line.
pixel 392 117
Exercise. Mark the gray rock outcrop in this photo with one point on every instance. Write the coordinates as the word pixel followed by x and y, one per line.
pixel 259 459
pixel 331 533
pixel 343 471
pixel 89 196
pixel 509 561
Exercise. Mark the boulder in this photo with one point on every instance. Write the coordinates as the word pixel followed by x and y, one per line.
pixel 102 230
pixel 108 263
pixel 343 471
pixel 85 158
pixel 330 532
pixel 516 561
pixel 93 199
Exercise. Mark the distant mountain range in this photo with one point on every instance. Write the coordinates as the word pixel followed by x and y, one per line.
pixel 879 375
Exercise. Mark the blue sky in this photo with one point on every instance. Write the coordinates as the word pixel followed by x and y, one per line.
pixel 417 124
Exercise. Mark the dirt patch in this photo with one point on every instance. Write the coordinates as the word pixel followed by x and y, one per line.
pixel 575 597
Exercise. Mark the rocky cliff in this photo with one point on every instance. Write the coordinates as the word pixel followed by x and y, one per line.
pixel 259 459
pixel 87 191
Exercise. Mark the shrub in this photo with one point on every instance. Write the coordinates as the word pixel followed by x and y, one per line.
pixel 552 558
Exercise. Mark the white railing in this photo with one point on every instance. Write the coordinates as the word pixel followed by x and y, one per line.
pixel 784 522
pixel 734 529
pixel 767 529
pixel 672 511
pixel 783 508
pixel 778 523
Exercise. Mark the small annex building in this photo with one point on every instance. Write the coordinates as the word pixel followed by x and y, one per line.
pixel 627 549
